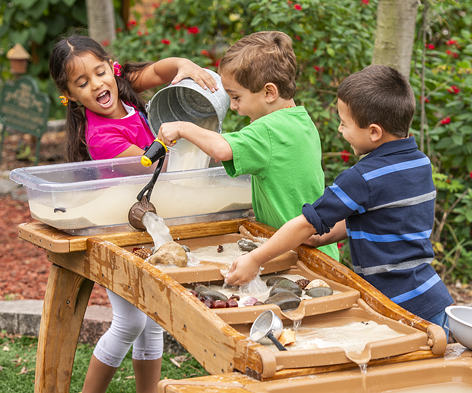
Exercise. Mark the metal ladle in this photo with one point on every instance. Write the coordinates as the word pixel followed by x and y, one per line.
pixel 267 325
pixel 144 205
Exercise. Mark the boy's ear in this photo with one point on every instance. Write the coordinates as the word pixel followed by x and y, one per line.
pixel 376 132
pixel 271 92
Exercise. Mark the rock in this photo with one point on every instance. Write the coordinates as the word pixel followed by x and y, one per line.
pixel 170 253
pixel 286 286
pixel 285 300
pixel 274 280
pixel 318 292
pixel 215 295
pixel 246 245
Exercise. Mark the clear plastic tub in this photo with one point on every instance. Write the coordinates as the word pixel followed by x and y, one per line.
pixel 94 197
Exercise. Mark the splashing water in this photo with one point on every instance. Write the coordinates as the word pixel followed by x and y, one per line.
pixel 158 230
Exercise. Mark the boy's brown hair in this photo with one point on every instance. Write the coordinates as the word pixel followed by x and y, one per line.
pixel 379 95
pixel 260 58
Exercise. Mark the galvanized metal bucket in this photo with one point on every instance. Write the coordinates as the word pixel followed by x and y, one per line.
pixel 187 101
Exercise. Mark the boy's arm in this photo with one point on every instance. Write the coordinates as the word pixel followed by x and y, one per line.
pixel 173 69
pixel 289 236
pixel 211 142
pixel 337 233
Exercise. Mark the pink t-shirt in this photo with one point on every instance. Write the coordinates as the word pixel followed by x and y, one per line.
pixel 106 138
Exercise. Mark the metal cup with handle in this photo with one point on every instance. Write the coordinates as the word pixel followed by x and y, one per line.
pixel 267 326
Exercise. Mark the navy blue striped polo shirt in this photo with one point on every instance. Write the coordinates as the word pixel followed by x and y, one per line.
pixel 387 199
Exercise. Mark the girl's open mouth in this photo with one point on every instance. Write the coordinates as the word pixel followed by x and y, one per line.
pixel 104 98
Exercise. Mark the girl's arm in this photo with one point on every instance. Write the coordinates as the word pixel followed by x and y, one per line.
pixel 173 69
pixel 289 236
pixel 131 151
pixel 211 142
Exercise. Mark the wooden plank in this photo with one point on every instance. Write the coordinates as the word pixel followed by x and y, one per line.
pixel 326 266
pixel 215 344
pixel 57 241
pixel 66 299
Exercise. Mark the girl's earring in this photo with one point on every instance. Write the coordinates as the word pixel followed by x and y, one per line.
pixel 64 100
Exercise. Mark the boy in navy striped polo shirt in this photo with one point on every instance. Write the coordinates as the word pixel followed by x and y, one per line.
pixel 384 204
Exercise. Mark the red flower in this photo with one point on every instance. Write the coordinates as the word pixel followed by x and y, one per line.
pixel 165 42
pixel 446 120
pixel 105 42
pixel 453 89
pixel 193 30
pixel 345 155
pixel 118 29
pixel 131 23
pixel 297 7
pixel 155 5
pixel 426 99
pixel 204 52
pixel 455 55
pixel 451 42
pixel 365 2
pixel 217 63
pixel 340 245
pixel 315 49
pixel 471 178
pixel 140 33
pixel 178 26
pixel 297 37
pixel 289 2
pixel 430 46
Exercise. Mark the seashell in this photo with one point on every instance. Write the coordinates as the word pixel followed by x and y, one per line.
pixel 248 300
pixel 142 252
pixel 302 283
pixel 286 286
pixel 246 245
pixel 287 337
pixel 318 292
pixel 316 283
pixel 170 253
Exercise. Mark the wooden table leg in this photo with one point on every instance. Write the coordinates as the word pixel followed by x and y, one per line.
pixel 65 302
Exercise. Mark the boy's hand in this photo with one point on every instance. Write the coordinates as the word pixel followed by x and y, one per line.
pixel 169 133
pixel 198 74
pixel 242 270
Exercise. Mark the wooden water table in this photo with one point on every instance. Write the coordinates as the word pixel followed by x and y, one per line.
pixel 217 339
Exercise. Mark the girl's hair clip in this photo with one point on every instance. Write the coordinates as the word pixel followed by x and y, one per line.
pixel 117 68
pixel 64 100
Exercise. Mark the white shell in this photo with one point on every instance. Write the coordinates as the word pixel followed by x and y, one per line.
pixel 316 284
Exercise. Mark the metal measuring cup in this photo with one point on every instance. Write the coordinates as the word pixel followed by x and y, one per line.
pixel 267 325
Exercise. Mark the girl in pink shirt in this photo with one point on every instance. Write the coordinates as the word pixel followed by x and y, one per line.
pixel 105 119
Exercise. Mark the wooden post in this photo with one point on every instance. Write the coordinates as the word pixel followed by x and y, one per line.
pixel 65 302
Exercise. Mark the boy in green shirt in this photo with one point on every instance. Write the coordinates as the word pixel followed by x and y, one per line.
pixel 281 147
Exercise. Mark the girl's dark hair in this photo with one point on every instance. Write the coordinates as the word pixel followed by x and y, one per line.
pixel 62 55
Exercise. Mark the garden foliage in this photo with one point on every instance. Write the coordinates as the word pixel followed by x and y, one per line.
pixel 331 39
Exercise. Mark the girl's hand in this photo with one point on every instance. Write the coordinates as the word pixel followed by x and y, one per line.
pixel 169 133
pixel 242 270
pixel 198 74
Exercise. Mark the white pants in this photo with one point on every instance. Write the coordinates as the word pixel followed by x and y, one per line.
pixel 130 326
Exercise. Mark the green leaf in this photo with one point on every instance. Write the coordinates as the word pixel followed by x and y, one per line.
pixel 39 32
pixel 69 3
pixel 330 51
pixel 25 4
pixel 20 37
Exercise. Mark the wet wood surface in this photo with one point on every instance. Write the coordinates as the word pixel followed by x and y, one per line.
pixel 80 260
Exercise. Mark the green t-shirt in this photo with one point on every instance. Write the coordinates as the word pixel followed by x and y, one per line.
pixel 282 152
